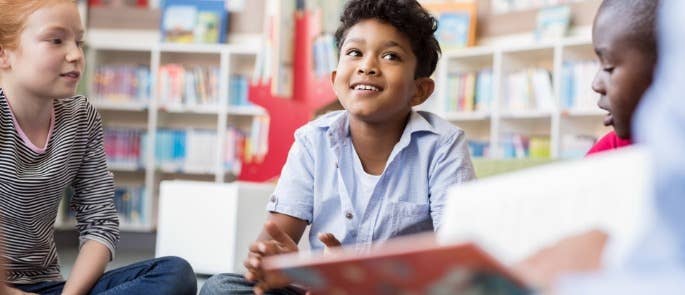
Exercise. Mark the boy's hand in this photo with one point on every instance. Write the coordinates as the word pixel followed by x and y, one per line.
pixel 329 240
pixel 280 243
pixel 579 253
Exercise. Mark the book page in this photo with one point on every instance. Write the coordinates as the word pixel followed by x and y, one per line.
pixel 515 215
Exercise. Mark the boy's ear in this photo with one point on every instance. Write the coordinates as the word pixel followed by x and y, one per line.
pixel 424 89
pixel 333 74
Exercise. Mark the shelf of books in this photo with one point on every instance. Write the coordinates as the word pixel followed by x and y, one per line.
pixel 170 111
pixel 528 101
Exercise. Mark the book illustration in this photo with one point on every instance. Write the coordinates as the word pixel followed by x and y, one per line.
pixel 553 22
pixel 194 21
pixel 207 27
pixel 179 23
pixel 456 22
pixel 453 29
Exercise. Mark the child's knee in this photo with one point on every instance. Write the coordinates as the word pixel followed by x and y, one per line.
pixel 182 272
pixel 226 284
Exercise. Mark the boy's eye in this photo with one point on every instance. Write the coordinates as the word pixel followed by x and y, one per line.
pixel 353 52
pixel 608 70
pixel 56 41
pixel 391 56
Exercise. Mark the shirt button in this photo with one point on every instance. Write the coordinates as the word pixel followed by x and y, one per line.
pixel 273 199
pixel 349 215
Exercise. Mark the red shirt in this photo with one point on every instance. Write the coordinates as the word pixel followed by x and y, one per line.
pixel 610 141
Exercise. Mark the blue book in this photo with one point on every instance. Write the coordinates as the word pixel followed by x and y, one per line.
pixel 453 31
pixel 201 21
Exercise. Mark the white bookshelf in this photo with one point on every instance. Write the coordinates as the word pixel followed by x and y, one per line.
pixel 503 58
pixel 151 115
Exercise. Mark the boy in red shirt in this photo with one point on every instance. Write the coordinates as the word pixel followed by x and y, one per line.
pixel 624 38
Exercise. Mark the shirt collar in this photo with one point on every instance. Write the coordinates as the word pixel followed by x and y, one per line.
pixel 338 127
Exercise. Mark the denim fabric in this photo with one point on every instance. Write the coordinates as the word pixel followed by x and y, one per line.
pixel 166 275
pixel 224 284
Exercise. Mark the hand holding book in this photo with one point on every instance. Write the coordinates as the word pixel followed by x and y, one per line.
pixel 280 243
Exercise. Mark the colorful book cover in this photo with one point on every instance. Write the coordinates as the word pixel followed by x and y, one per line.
pixel 453 30
pixel 207 28
pixel 553 22
pixel 199 21
pixel 406 265
pixel 178 23
pixel 456 23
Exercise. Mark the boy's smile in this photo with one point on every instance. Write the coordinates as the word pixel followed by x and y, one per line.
pixel 374 79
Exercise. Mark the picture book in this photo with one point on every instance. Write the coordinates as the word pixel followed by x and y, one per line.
pixel 513 215
pixel 194 21
pixel 407 265
pixel 553 22
pixel 456 23
pixel 178 23
pixel 453 29
pixel 207 27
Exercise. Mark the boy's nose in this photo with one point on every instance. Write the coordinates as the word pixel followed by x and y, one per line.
pixel 367 71
pixel 598 84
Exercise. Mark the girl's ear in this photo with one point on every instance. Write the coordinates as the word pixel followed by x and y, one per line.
pixel 4 59
pixel 424 89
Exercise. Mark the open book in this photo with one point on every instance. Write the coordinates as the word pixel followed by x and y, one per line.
pixel 406 265
pixel 488 226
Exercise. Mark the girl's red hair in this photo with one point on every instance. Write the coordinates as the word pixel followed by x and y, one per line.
pixel 13 15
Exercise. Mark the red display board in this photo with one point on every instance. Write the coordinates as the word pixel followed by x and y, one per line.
pixel 310 93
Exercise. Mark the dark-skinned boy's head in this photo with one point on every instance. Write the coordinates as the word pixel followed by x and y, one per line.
pixel 624 38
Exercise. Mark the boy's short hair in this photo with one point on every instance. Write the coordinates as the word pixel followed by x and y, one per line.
pixel 641 18
pixel 408 17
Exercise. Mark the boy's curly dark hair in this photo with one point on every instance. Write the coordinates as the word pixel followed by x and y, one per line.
pixel 408 16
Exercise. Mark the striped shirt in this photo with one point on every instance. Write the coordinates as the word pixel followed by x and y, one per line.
pixel 33 181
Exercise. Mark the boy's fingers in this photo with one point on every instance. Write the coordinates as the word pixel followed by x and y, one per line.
pixel 253 266
pixel 269 248
pixel 279 236
pixel 254 248
pixel 329 240
pixel 250 276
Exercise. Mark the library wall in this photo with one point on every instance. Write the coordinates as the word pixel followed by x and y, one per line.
pixel 491 24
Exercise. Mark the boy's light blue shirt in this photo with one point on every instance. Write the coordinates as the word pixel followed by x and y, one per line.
pixel 317 180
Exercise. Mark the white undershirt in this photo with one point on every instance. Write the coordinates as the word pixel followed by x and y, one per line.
pixel 364 185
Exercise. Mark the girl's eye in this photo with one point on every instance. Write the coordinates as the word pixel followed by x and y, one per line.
pixel 354 53
pixel 79 43
pixel 56 41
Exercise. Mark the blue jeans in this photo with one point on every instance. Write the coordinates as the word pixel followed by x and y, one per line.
pixel 165 275
pixel 223 284
pixel 228 283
